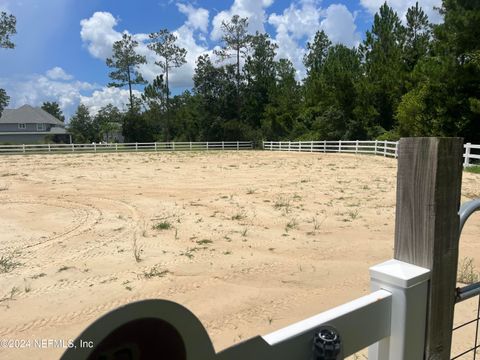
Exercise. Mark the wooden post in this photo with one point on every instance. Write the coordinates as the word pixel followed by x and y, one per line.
pixel 427 224
pixel 385 148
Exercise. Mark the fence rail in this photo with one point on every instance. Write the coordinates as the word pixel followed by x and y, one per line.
pixel 471 153
pixel 124 147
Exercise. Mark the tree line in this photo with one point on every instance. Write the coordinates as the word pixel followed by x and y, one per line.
pixel 406 78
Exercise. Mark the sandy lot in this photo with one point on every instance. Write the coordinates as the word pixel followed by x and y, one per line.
pixel 249 241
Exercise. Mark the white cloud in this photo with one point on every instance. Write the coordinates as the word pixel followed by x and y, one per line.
pixel 100 98
pixel 401 7
pixel 198 18
pixel 98 34
pixel 36 89
pixel 66 91
pixel 339 25
pixel 253 9
pixel 57 73
pixel 300 22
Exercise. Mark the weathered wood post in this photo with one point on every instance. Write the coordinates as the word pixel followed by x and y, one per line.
pixel 427 226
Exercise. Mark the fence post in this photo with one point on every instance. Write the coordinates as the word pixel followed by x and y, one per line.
pixel 116 147
pixel 155 146
pixel 289 145
pixel 356 147
pixel 190 145
pixel 466 161
pixel 238 146
pixel 311 146
pixel 384 148
pixel 173 145
pixel 427 226
pixel 375 152
pixel 73 147
pixel 94 147
pixel 207 145
pixel 49 150
pixel 136 146
pixel 396 149
pixel 409 287
pixel 339 146
pixel 23 148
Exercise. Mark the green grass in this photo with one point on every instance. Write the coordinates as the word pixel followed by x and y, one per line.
pixel 473 169
pixel 164 225
pixel 8 263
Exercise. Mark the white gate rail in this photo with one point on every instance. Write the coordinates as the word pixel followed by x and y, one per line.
pixel 391 321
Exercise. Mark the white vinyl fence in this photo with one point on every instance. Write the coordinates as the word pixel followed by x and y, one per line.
pixel 375 147
pixel 124 147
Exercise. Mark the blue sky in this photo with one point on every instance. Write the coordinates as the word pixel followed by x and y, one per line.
pixel 61 45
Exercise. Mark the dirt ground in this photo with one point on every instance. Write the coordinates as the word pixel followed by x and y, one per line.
pixel 249 241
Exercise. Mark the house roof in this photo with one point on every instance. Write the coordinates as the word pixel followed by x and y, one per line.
pixel 27 114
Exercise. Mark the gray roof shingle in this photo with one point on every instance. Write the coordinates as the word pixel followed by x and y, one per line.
pixel 27 114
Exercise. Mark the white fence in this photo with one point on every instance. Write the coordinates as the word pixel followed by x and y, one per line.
pixel 124 147
pixel 375 147
pixel 471 152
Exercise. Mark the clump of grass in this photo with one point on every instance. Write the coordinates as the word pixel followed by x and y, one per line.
pixel 204 241
pixel 163 225
pixel 13 292
pixel 64 268
pixel 467 273
pixel 4 187
pixel 8 263
pixel 250 191
pixel 353 214
pixel 282 202
pixel 239 215
pixel 137 251
pixel 291 224
pixel 34 277
pixel 155 272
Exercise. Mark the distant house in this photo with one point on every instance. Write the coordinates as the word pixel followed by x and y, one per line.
pixel 30 125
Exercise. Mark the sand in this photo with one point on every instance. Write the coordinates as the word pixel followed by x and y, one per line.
pixel 249 241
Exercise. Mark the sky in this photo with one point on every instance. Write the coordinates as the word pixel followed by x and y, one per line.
pixel 61 45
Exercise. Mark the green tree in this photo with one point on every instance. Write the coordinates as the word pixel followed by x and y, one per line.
pixel 53 109
pixel 260 78
pixel 81 126
pixel 7 28
pixel 215 89
pixel 4 100
pixel 418 33
pixel 125 61
pixel 281 113
pixel 108 121
pixel 382 52
pixel 235 44
pixel 163 43
pixel 155 96
pixel 316 52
